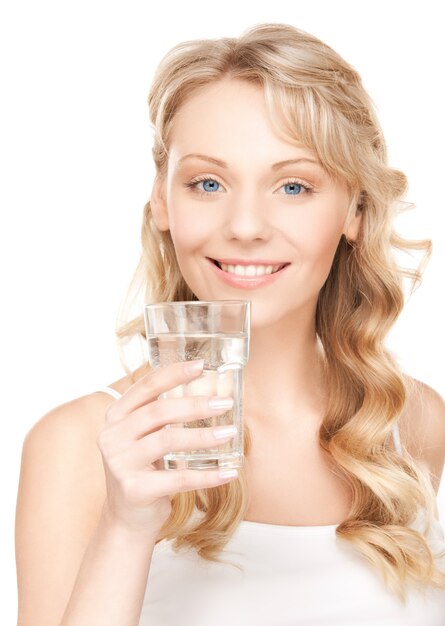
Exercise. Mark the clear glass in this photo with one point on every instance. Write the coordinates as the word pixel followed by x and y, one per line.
pixel 217 331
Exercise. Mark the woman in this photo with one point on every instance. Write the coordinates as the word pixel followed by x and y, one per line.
pixel 268 153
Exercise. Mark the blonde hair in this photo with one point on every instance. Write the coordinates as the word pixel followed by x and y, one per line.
pixel 324 106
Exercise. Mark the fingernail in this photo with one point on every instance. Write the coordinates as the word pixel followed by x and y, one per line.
pixel 193 367
pixel 225 431
pixel 220 403
pixel 229 473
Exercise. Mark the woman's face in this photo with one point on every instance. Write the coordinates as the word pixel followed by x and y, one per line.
pixel 250 208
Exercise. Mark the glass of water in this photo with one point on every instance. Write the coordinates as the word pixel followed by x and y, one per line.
pixel 217 331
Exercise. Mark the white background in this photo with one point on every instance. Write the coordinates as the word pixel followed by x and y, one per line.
pixel 76 171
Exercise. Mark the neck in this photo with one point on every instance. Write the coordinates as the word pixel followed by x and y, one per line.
pixel 284 376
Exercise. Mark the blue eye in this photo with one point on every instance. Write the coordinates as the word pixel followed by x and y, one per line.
pixel 292 187
pixel 210 185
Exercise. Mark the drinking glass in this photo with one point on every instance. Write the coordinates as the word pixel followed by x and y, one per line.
pixel 217 331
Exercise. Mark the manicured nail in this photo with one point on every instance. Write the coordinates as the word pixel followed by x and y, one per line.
pixel 225 431
pixel 220 403
pixel 228 473
pixel 194 367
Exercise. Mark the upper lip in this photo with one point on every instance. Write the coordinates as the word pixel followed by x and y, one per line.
pixel 248 262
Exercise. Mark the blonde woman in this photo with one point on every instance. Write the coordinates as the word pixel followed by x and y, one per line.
pixel 268 152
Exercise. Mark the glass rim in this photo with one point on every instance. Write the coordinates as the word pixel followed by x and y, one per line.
pixel 197 303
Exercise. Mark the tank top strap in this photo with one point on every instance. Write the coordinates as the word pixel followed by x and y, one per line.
pixel 111 392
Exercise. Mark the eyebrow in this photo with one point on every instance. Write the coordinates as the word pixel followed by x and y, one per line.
pixel 223 164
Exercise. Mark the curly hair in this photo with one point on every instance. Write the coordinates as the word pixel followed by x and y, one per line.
pixel 322 104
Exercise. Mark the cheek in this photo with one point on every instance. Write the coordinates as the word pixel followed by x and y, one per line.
pixel 188 232
pixel 316 241
pixel 321 239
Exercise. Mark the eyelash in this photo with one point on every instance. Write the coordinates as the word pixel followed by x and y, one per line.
pixel 193 183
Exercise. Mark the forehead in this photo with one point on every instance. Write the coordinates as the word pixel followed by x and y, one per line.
pixel 229 118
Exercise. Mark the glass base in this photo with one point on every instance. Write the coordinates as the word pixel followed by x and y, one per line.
pixel 202 461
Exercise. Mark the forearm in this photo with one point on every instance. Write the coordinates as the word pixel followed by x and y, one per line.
pixel 110 586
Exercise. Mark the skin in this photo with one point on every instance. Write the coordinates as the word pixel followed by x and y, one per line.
pixel 290 481
pixel 253 214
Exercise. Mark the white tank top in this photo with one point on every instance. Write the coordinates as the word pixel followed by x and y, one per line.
pixel 293 576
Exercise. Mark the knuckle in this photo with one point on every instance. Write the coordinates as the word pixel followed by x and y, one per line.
pixel 130 488
pixel 205 436
pixel 116 466
pixel 155 410
pixel 182 482
pixel 198 405
pixel 149 382
pixel 166 437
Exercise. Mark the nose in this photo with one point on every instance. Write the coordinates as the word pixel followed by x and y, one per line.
pixel 247 217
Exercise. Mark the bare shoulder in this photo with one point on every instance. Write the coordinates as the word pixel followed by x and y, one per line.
pixel 64 440
pixel 123 384
pixel 85 414
pixel 60 497
pixel 67 434
pixel 422 426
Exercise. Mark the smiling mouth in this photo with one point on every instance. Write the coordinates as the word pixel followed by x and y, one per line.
pixel 218 264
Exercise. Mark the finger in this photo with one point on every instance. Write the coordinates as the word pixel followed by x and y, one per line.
pixel 150 449
pixel 149 387
pixel 149 418
pixel 168 482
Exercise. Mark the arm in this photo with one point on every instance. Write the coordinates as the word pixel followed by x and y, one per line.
pixel 73 566
pixel 110 587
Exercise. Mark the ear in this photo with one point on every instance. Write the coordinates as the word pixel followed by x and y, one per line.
pixel 352 226
pixel 158 205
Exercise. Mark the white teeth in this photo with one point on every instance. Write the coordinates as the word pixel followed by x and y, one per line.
pixel 249 270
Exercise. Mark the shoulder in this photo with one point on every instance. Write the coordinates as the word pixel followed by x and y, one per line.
pixel 422 426
pixel 80 415
pixel 61 492
pixel 123 384
pixel 84 416
pixel 62 444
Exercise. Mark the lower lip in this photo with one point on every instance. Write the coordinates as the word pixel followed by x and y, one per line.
pixel 247 282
